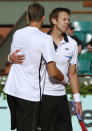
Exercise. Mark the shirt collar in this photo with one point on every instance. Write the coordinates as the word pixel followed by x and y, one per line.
pixel 49 33
pixel 64 35
pixel 31 27
pixel 62 42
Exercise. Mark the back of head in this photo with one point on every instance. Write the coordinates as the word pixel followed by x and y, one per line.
pixel 35 12
pixel 55 13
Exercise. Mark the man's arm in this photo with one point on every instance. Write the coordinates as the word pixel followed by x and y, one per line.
pixel 74 82
pixel 54 72
pixel 15 58
pixel 51 66
pixel 79 49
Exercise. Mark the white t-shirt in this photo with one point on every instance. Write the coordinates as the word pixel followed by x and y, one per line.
pixel 66 53
pixel 23 79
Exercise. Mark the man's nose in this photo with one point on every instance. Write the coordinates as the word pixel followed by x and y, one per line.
pixel 67 22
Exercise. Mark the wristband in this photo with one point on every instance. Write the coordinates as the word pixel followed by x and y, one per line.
pixel 76 97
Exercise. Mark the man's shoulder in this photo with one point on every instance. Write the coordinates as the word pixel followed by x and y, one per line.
pixel 45 36
pixel 19 31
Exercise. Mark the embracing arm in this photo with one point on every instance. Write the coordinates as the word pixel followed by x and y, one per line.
pixel 15 58
pixel 54 72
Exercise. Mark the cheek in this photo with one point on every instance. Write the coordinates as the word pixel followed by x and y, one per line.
pixel 60 24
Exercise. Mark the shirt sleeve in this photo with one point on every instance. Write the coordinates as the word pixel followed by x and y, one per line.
pixel 12 48
pixel 74 58
pixel 15 42
pixel 14 45
pixel 48 51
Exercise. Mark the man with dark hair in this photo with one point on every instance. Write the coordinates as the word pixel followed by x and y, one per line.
pixel 54 110
pixel 54 14
pixel 35 13
pixel 22 86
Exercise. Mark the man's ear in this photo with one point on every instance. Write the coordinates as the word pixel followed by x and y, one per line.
pixel 54 21
pixel 27 19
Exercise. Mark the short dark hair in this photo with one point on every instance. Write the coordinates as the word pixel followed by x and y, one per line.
pixel 35 12
pixel 55 13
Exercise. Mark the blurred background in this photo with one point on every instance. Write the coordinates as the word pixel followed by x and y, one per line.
pixel 13 17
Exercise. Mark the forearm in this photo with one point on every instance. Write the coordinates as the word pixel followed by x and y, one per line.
pixel 65 81
pixel 11 58
pixel 16 57
pixel 58 75
pixel 74 82
pixel 76 95
pixel 54 71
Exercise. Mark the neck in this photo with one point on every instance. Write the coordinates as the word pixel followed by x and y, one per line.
pixel 35 24
pixel 57 35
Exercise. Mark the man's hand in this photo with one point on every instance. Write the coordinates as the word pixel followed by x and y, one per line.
pixel 78 108
pixel 15 58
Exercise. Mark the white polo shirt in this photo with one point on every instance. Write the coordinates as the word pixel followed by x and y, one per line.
pixel 66 54
pixel 23 79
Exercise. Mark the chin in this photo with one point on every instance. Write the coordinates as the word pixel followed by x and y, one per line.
pixel 64 31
